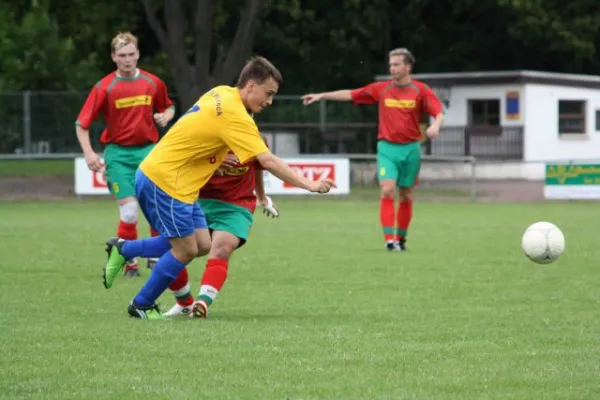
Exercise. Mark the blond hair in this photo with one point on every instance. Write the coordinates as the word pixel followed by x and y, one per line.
pixel 123 39
pixel 404 52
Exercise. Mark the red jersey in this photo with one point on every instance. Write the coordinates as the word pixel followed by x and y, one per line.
pixel 235 186
pixel 400 108
pixel 128 106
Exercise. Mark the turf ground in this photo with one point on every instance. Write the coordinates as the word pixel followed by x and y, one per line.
pixel 314 309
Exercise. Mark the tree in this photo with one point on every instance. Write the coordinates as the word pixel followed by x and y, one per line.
pixel 208 62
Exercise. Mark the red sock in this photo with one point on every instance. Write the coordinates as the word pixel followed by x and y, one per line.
pixel 215 273
pixel 181 289
pixel 153 233
pixel 128 232
pixel 386 216
pixel 404 216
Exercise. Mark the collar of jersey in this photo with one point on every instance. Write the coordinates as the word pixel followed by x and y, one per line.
pixel 127 78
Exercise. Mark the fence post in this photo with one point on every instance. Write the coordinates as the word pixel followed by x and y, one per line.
pixel 27 122
pixel 322 115
pixel 473 185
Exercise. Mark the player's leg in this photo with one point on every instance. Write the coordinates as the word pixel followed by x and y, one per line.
pixel 120 181
pixel 387 172
pixel 142 153
pixel 134 157
pixel 185 227
pixel 231 226
pixel 181 286
pixel 189 238
pixel 409 173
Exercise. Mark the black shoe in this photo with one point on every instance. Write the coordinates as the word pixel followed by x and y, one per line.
pixel 152 312
pixel 392 246
pixel 402 244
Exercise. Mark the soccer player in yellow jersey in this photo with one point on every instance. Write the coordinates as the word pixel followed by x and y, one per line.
pixel 170 177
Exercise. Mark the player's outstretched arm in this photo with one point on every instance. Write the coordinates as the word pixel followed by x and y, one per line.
pixel 280 169
pixel 338 95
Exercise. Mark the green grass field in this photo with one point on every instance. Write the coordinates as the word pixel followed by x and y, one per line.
pixel 31 168
pixel 314 309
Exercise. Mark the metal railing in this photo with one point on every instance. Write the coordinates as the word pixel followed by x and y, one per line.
pixel 43 123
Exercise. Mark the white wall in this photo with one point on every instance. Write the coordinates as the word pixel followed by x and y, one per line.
pixel 458 112
pixel 483 170
pixel 542 141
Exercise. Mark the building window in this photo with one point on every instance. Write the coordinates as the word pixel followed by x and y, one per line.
pixel 571 117
pixel 597 120
pixel 484 112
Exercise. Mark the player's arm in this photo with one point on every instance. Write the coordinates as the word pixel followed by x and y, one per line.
pixel 89 112
pixel 434 107
pixel 243 139
pixel 365 95
pixel 281 170
pixel 163 104
pixel 265 202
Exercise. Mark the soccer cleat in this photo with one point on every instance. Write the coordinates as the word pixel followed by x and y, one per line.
pixel 178 309
pixel 151 263
pixel 115 262
pixel 392 246
pixel 402 244
pixel 152 312
pixel 199 309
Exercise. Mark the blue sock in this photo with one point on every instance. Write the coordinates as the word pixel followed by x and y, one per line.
pixel 163 274
pixel 151 247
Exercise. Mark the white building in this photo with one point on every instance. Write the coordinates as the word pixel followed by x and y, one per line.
pixel 524 118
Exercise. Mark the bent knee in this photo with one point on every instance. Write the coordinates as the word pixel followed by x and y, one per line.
pixel 405 194
pixel 387 189
pixel 223 250
pixel 203 248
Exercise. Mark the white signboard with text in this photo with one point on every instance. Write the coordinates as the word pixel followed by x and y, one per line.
pixel 89 182
pixel 338 169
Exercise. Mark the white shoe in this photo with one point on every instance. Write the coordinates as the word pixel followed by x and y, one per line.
pixel 178 309
pixel 199 309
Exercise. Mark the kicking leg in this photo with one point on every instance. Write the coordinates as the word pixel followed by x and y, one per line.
pixel 215 272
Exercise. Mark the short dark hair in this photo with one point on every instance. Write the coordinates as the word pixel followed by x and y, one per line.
pixel 259 69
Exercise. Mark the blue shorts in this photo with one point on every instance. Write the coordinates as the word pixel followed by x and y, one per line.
pixel 168 216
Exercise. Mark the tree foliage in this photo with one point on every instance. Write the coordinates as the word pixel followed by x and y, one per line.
pixel 193 45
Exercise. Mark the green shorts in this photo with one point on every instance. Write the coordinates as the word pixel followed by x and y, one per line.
pixel 121 164
pixel 227 217
pixel 399 162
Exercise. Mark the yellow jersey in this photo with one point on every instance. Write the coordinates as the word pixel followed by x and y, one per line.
pixel 192 150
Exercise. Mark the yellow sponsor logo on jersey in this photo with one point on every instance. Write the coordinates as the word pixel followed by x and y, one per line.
pixel 134 101
pixel 235 171
pixel 395 103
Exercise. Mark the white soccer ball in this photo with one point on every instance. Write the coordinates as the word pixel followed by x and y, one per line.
pixel 543 242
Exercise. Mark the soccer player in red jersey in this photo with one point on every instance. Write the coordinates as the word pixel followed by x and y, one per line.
pixel 402 102
pixel 131 101
pixel 228 200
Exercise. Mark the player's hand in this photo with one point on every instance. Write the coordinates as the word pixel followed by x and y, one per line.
pixel 322 186
pixel 93 162
pixel 268 207
pixel 230 161
pixel 311 98
pixel 161 119
pixel 433 131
